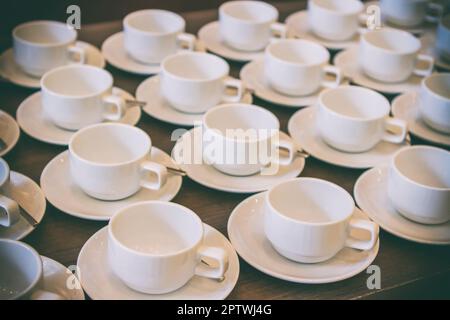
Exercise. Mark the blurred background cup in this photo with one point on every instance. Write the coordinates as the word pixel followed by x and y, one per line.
pixel 40 46
pixel 419 184
pixel 443 38
pixel 410 13
pixel 249 25
pixel 9 209
pixel 152 35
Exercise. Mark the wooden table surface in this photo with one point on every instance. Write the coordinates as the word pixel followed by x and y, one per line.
pixel 408 269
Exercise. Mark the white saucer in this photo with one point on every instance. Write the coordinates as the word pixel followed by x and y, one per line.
pixel 246 233
pixel 62 192
pixel 9 132
pixel 158 108
pixel 34 122
pixel 210 36
pixel 428 41
pixel 405 107
pixel 302 128
pixel 30 197
pixel 114 52
pixel 56 277
pixel 210 177
pixel 100 283
pixel 298 25
pixel 347 61
pixel 10 71
pixel 371 196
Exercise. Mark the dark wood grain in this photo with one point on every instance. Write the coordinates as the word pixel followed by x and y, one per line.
pixel 409 270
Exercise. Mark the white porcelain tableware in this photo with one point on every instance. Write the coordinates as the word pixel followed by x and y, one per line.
pixel 298 67
pixel 109 161
pixel 249 25
pixel 40 46
pixel 194 82
pixel 9 209
pixel 9 132
pixel 157 247
pixel 407 13
pixel 355 119
pixel 419 184
pixel 443 38
pixel 151 35
pixel 391 55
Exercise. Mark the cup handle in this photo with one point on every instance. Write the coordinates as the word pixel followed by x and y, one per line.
pixel 72 50
pixel 365 225
pixel 9 211
pixel 186 41
pixel 45 295
pixel 424 72
pixel 287 145
pixel 238 85
pixel 278 31
pixel 336 72
pixel 214 253
pixel 120 107
pixel 395 137
pixel 438 9
pixel 153 175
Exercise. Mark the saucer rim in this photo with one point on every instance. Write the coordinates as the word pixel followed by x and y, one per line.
pixel 16 136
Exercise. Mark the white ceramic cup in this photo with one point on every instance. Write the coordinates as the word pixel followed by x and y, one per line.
pixel 355 119
pixel 21 273
pixel 335 20
pixel 110 161
pixel 9 209
pixel 443 38
pixel 152 35
pixel 242 139
pixel 156 247
pixel 80 95
pixel 249 25
pixel 434 101
pixel 409 13
pixel 193 82
pixel 419 184
pixel 40 46
pixel 391 55
pixel 298 67
pixel 309 220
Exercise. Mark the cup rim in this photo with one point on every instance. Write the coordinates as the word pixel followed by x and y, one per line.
pixel 297 221
pixel 392 30
pixel 131 15
pixel 48 22
pixel 112 124
pixel 223 8
pixel 369 91
pixel 7 171
pixel 400 173
pixel 76 66
pixel 425 84
pixel 152 202
pixel 40 268
pixel 329 11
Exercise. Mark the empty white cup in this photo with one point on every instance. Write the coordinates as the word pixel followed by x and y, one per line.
pixel 40 46
pixel 355 119
pixel 410 13
pixel 298 67
pixel 152 35
pixel 9 209
pixel 419 184
pixel 156 247
pixel 334 20
pixel 193 82
pixel 434 101
pixel 391 55
pixel 249 25
pixel 309 220
pixel 242 139
pixel 80 95
pixel 110 161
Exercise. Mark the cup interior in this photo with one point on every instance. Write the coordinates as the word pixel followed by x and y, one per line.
pixel 77 81
pixel 427 166
pixel 44 33
pixel 299 52
pixel 157 228
pixel 196 66
pixel 4 172
pixel 250 11
pixel 355 102
pixel 310 200
pixel 340 6
pixel 439 84
pixel 155 21
pixel 110 144
pixel 393 41
pixel 20 269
